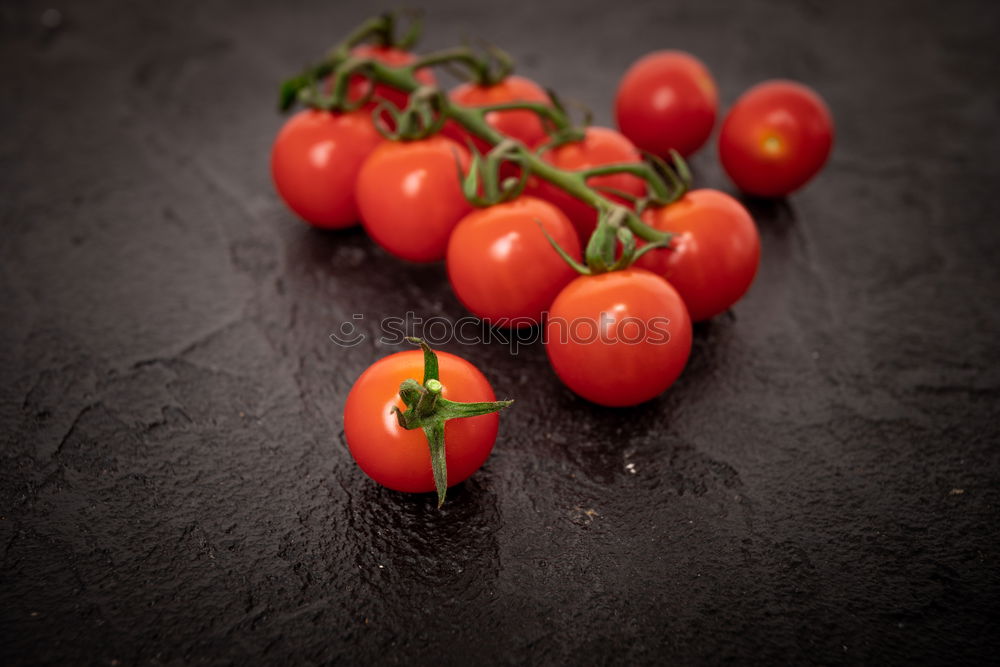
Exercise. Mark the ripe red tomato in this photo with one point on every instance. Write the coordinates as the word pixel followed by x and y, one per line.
pixel 359 85
pixel 399 458
pixel 776 137
pixel 410 197
pixel 667 99
pixel 315 162
pixel 715 257
pixel 618 338
pixel 600 146
pixel 523 125
pixel 503 268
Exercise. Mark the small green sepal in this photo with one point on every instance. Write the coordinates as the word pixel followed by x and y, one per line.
pixel 426 409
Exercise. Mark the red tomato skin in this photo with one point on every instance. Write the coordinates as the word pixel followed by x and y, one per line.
pixel 501 266
pixel 523 125
pixel 410 198
pixel 600 146
pixel 667 99
pixel 715 258
pixel 358 84
pixel 315 161
pixel 621 369
pixel 400 459
pixel 776 137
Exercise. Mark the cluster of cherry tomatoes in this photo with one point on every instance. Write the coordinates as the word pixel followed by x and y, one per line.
pixel 616 316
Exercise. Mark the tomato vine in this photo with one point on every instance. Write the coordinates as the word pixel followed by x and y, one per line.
pixel 611 247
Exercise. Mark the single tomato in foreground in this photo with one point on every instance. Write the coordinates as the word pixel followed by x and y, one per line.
pixel 601 146
pixel 442 446
pixel 618 338
pixel 715 255
pixel 667 100
pixel 315 162
pixel 776 137
pixel 521 124
pixel 503 268
pixel 359 85
pixel 410 197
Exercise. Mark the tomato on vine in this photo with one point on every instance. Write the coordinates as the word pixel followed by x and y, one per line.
pixel 315 161
pixel 714 256
pixel 618 338
pixel 776 138
pixel 521 124
pixel 359 86
pixel 424 436
pixel 600 146
pixel 502 267
pixel 667 100
pixel 410 198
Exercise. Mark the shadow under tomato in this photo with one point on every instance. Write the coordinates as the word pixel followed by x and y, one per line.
pixel 415 559
pixel 774 217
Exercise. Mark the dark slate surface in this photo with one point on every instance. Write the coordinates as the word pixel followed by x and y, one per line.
pixel 821 485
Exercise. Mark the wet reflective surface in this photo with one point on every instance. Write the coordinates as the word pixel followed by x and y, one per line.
pixel 821 484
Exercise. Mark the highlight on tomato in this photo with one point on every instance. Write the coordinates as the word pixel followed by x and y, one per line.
pixel 424 436
pixel 667 100
pixel 502 267
pixel 618 338
pixel 714 257
pixel 776 137
pixel 599 147
pixel 315 162
pixel 410 197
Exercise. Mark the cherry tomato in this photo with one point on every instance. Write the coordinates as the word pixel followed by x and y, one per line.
pixel 600 146
pixel 776 137
pixel 399 458
pixel 667 99
pixel 715 257
pixel 410 197
pixel 503 268
pixel 523 125
pixel 359 85
pixel 315 162
pixel 618 338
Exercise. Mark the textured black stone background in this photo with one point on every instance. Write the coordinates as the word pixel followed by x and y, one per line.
pixel 821 486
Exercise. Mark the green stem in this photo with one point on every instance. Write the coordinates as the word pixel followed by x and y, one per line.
pixel 473 120
pixel 640 169
pixel 557 118
pixel 426 409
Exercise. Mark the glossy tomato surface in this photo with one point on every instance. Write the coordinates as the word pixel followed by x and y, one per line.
pixel 398 458
pixel 410 198
pixel 315 161
pixel 359 85
pixel 667 99
pixel 520 124
pixel 600 146
pixel 715 256
pixel 503 268
pixel 618 338
pixel 776 137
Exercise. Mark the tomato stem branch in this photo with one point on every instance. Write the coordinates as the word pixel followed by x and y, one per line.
pixel 610 214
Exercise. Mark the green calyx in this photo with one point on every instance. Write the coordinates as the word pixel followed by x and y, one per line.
pixel 381 31
pixel 613 246
pixel 488 69
pixel 420 119
pixel 428 410
pixel 482 185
